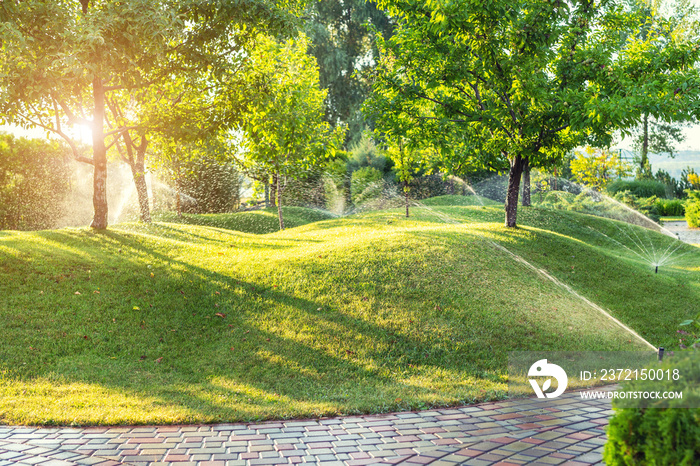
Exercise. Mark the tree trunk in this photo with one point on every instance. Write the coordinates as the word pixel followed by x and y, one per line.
pixel 178 202
pixel 273 190
pixel 405 193
pixel 526 182
pixel 99 156
pixel 267 194
pixel 516 170
pixel 645 144
pixel 279 201
pixel 139 173
pixel 140 180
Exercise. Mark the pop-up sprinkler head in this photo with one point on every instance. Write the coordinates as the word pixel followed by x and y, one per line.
pixel 657 269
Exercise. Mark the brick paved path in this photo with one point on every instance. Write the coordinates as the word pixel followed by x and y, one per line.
pixel 529 431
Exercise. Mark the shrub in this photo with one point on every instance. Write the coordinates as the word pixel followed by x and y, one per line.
pixel 640 188
pixel 35 179
pixel 692 209
pixel 424 187
pixel 214 186
pixel 662 432
pixel 669 208
pixel 366 183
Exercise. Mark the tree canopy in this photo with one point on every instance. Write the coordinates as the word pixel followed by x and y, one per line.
pixel 62 59
pixel 524 81
pixel 342 40
pixel 284 131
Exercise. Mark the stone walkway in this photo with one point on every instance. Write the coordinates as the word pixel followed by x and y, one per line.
pixel 565 430
pixel 685 234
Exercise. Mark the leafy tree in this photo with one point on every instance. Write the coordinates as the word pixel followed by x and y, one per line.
pixel 407 163
pixel 285 134
pixel 62 60
pixel 596 168
pixel 34 180
pixel 654 135
pixel 341 33
pixel 522 82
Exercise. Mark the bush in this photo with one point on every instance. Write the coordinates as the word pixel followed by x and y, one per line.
pixel 366 183
pixel 424 187
pixel 692 209
pixel 662 432
pixel 639 188
pixel 669 208
pixel 35 179
pixel 213 186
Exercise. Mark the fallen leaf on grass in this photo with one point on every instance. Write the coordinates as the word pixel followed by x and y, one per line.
pixel 218 314
pixel 159 359
pixel 78 292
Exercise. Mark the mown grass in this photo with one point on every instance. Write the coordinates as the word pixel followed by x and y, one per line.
pixel 456 200
pixel 174 323
pixel 257 221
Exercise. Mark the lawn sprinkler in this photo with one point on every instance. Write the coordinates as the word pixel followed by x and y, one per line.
pixel 657 269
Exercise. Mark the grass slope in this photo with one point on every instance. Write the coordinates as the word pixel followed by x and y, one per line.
pixel 175 323
pixel 456 200
pixel 256 221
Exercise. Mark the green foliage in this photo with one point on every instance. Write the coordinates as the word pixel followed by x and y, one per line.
pixel 546 78
pixel 673 187
pixel 306 191
pixel 101 63
pixel 639 188
pixel 624 206
pixel 365 184
pixel 692 209
pixel 365 153
pixel 559 200
pixel 596 168
pixel 215 186
pixel 285 133
pixel 694 335
pixel 342 41
pixel 663 433
pixel 34 180
pixel 669 208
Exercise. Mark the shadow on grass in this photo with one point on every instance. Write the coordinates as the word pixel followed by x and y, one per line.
pixel 204 356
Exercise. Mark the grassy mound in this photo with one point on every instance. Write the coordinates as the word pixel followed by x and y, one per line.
pixel 174 323
pixel 256 221
pixel 456 200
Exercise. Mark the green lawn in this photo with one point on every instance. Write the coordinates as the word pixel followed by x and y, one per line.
pixel 257 221
pixel 176 323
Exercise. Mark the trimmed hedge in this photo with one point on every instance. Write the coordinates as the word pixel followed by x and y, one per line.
pixel 663 432
pixel 669 208
pixel 640 188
